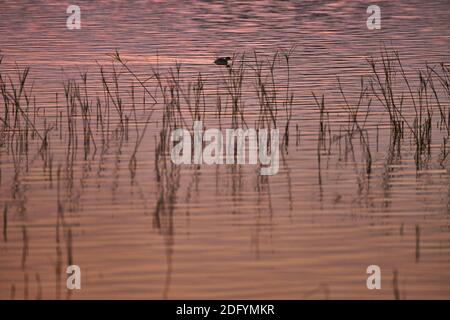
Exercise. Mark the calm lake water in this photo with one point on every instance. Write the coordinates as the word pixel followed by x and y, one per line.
pixel 145 228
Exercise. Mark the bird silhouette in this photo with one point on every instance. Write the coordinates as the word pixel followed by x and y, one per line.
pixel 222 61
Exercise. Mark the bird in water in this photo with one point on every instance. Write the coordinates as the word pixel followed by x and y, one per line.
pixel 222 61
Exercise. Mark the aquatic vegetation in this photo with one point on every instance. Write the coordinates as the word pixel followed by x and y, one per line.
pixel 118 115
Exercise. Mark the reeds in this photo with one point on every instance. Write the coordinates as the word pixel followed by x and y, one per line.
pixel 18 127
pixel 122 109
pixel 89 121
pixel 384 85
pixel 354 123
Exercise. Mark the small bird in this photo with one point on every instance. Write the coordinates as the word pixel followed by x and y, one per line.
pixel 222 61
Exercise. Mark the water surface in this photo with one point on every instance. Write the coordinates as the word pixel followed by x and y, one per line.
pixel 223 231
